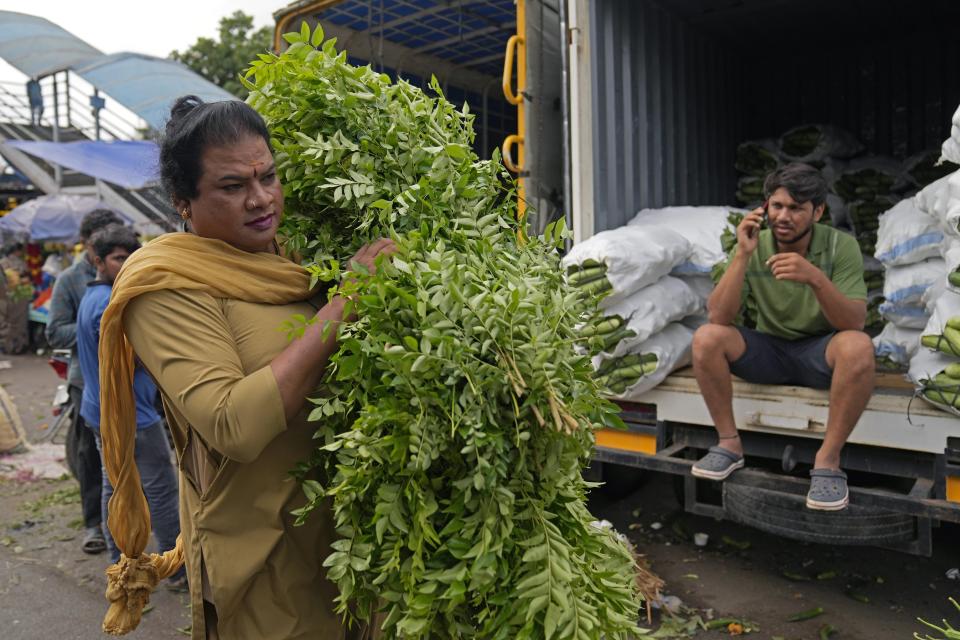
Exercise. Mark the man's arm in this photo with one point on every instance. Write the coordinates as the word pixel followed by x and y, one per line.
pixel 724 303
pixel 841 312
pixel 61 328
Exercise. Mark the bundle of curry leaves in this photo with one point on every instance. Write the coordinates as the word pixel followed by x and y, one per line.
pixel 456 412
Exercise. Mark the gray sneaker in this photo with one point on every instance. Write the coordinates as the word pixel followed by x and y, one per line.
pixel 717 464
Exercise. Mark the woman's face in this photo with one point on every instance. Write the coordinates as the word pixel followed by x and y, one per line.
pixel 239 199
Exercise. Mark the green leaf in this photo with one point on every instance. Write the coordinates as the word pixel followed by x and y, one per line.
pixel 317 38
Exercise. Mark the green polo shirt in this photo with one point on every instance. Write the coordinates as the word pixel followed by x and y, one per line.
pixel 789 309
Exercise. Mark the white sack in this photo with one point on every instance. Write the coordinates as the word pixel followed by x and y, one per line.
pixel 951 146
pixel 897 343
pixel 905 316
pixel 941 199
pixel 672 347
pixel 929 298
pixel 906 284
pixel 928 197
pixel 652 308
pixel 702 226
pixel 947 306
pixel 702 286
pixel 635 256
pixel 950 249
pixel 907 235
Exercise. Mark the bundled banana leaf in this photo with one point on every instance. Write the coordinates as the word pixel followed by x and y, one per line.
pixel 750 191
pixel 873 280
pixel 618 374
pixel 869 178
pixel 874 321
pixel 888 364
pixel 815 143
pixel 603 333
pixel 757 157
pixel 948 341
pixel 943 388
pixel 456 416
pixel 925 167
pixel 589 278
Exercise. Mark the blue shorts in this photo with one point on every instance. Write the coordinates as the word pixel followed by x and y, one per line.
pixel 772 360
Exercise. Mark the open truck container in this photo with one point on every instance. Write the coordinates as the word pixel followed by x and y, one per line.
pixel 660 94
pixel 604 107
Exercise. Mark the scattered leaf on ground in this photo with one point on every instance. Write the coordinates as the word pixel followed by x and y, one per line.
pixel 742 545
pixel 806 615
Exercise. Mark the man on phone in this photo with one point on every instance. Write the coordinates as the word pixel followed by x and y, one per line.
pixel 804 281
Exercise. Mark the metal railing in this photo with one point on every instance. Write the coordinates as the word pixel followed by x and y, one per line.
pixel 69 103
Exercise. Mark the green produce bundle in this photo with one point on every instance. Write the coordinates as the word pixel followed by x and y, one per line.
pixel 757 157
pixel 923 168
pixel 873 280
pixel 750 190
pixel 456 416
pixel 590 280
pixel 864 184
pixel 874 321
pixel 619 374
pixel 602 333
pixel 886 363
pixel 948 341
pixel 954 278
pixel 865 214
pixel 815 143
pixel 944 388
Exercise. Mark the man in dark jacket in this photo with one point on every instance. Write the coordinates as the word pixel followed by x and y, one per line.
pixel 82 456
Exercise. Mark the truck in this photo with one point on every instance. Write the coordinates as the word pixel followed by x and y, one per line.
pixel 606 107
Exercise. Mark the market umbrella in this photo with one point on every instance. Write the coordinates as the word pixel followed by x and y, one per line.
pixel 52 217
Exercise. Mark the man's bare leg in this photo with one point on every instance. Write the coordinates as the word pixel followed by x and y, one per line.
pixel 715 346
pixel 851 356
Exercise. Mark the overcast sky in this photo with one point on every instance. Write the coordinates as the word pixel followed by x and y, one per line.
pixel 154 28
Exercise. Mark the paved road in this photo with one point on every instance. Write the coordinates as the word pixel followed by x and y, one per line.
pixel 49 589
pixel 40 602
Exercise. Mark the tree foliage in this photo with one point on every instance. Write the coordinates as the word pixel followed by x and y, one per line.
pixel 456 416
pixel 223 60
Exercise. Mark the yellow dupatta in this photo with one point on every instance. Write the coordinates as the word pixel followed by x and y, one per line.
pixel 172 261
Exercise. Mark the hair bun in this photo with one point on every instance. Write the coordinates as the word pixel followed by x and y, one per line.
pixel 182 108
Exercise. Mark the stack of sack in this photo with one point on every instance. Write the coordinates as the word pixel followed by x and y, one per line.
pixel 909 244
pixel 654 278
pixel 935 369
pixel 755 159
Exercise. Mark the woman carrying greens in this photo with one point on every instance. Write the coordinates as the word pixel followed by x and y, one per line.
pixel 202 310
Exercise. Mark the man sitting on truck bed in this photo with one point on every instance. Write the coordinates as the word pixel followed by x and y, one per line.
pixel 805 283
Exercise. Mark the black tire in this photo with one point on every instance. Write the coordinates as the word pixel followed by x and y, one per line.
pixel 787 515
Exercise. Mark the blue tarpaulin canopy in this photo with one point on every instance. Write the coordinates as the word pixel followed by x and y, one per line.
pixel 37 47
pixel 132 164
pixel 148 86
pixel 53 217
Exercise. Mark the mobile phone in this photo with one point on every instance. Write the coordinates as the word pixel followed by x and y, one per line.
pixel 763 221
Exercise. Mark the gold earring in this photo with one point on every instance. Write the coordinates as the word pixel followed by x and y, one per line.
pixel 185 214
